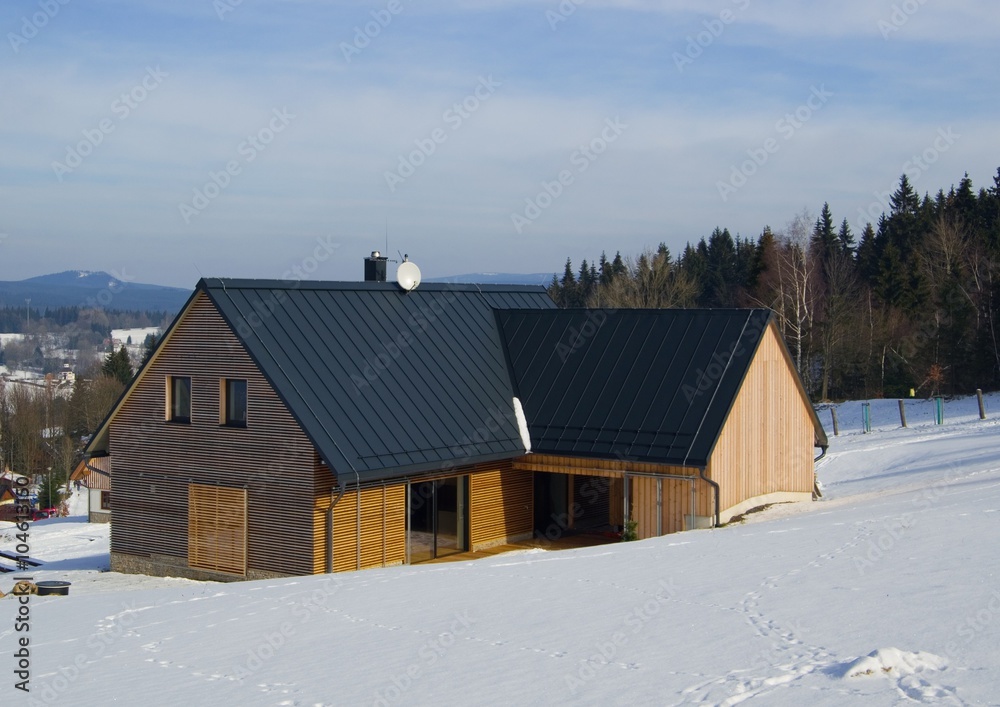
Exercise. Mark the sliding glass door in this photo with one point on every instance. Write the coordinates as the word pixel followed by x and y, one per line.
pixel 437 518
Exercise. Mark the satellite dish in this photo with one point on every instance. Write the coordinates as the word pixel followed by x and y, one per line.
pixel 408 275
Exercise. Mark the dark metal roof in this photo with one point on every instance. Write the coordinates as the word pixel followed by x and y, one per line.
pixel 385 383
pixel 642 385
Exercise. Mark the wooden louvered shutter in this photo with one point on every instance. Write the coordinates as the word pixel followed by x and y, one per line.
pixel 217 528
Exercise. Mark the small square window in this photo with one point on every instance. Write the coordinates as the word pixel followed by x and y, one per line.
pixel 105 500
pixel 179 399
pixel 234 400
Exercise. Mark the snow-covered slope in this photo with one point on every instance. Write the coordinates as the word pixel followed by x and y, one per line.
pixel 886 592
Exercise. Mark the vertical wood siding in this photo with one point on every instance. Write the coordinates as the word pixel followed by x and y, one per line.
pixel 675 505
pixel 766 445
pixel 154 460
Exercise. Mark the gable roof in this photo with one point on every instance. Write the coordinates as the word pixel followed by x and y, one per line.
pixel 643 385
pixel 385 383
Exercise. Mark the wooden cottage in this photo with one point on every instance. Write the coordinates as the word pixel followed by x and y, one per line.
pixel 288 428
pixel 96 475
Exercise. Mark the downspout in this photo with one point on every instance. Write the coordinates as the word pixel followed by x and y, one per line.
pixel 94 469
pixel 715 493
pixel 339 490
pixel 817 494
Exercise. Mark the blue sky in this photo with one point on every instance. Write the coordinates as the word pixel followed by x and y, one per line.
pixel 252 133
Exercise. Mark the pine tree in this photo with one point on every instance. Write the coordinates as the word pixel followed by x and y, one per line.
pixel 49 493
pixel 845 239
pixel 118 365
pixel 904 200
pixel 824 238
pixel 618 265
pixel 148 347
pixel 606 274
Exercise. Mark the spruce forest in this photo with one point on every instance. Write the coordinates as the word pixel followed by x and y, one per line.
pixel 909 303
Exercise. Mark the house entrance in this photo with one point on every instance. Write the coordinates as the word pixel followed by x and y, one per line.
pixel 573 503
pixel 437 518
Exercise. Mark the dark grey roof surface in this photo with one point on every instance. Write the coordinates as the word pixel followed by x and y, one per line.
pixel 641 385
pixel 385 383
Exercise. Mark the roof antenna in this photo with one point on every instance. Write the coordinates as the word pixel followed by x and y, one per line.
pixel 386 234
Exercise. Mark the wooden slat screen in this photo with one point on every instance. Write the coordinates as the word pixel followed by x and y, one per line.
pixel 501 504
pixel 217 528
pixel 383 529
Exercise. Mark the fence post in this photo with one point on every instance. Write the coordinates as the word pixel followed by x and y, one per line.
pixel 866 417
pixel 836 424
pixel 939 410
pixel 902 412
pixel 982 406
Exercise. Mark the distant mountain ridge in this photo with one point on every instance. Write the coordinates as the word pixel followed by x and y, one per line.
pixel 85 288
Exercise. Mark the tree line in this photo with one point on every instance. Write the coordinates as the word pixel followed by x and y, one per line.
pixel 912 303
pixel 50 332
pixel 43 427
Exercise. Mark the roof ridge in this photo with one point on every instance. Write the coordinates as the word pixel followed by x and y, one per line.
pixel 216 283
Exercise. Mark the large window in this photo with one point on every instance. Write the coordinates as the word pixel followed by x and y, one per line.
pixel 438 518
pixel 234 403
pixel 217 528
pixel 179 399
pixel 105 500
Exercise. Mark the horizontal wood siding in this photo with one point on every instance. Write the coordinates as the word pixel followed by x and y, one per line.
pixel 382 512
pixel 766 445
pixel 501 501
pixel 154 460
pixel 93 479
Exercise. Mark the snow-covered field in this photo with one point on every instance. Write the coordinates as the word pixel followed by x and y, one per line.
pixel 137 335
pixel 885 592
